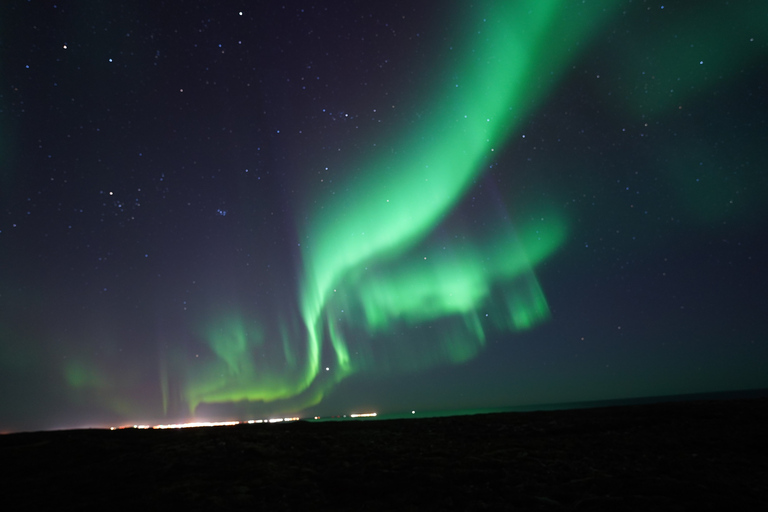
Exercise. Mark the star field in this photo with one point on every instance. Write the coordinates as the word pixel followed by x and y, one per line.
pixel 217 210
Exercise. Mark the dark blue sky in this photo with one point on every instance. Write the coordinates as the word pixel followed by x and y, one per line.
pixel 179 186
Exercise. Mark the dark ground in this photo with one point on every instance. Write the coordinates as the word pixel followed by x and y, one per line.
pixel 710 455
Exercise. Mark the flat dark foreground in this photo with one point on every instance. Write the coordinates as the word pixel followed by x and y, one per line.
pixel 708 455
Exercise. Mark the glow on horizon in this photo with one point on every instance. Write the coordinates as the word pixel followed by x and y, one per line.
pixel 197 424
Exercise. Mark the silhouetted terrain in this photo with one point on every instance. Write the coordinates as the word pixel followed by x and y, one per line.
pixel 709 455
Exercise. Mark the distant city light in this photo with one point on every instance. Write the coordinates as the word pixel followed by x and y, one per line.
pixel 204 424
pixel 197 424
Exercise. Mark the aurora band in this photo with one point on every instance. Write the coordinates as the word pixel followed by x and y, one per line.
pixel 366 273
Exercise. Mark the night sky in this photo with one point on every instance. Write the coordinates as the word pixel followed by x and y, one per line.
pixel 231 210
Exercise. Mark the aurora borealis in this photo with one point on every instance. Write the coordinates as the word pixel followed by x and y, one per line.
pixel 228 210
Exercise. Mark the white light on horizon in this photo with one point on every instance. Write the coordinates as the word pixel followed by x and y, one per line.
pixel 363 415
pixel 205 424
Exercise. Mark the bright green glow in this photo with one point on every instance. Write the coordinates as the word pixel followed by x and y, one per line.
pixel 375 295
pixel 383 212
pixel 243 368
pixel 455 284
pixel 400 198
pixel 416 311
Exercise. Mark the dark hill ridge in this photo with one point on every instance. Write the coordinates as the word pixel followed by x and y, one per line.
pixel 704 455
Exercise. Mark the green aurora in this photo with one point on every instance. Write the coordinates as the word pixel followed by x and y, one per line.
pixel 614 246
pixel 369 274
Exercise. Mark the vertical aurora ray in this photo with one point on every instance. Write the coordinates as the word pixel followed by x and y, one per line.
pixel 373 282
